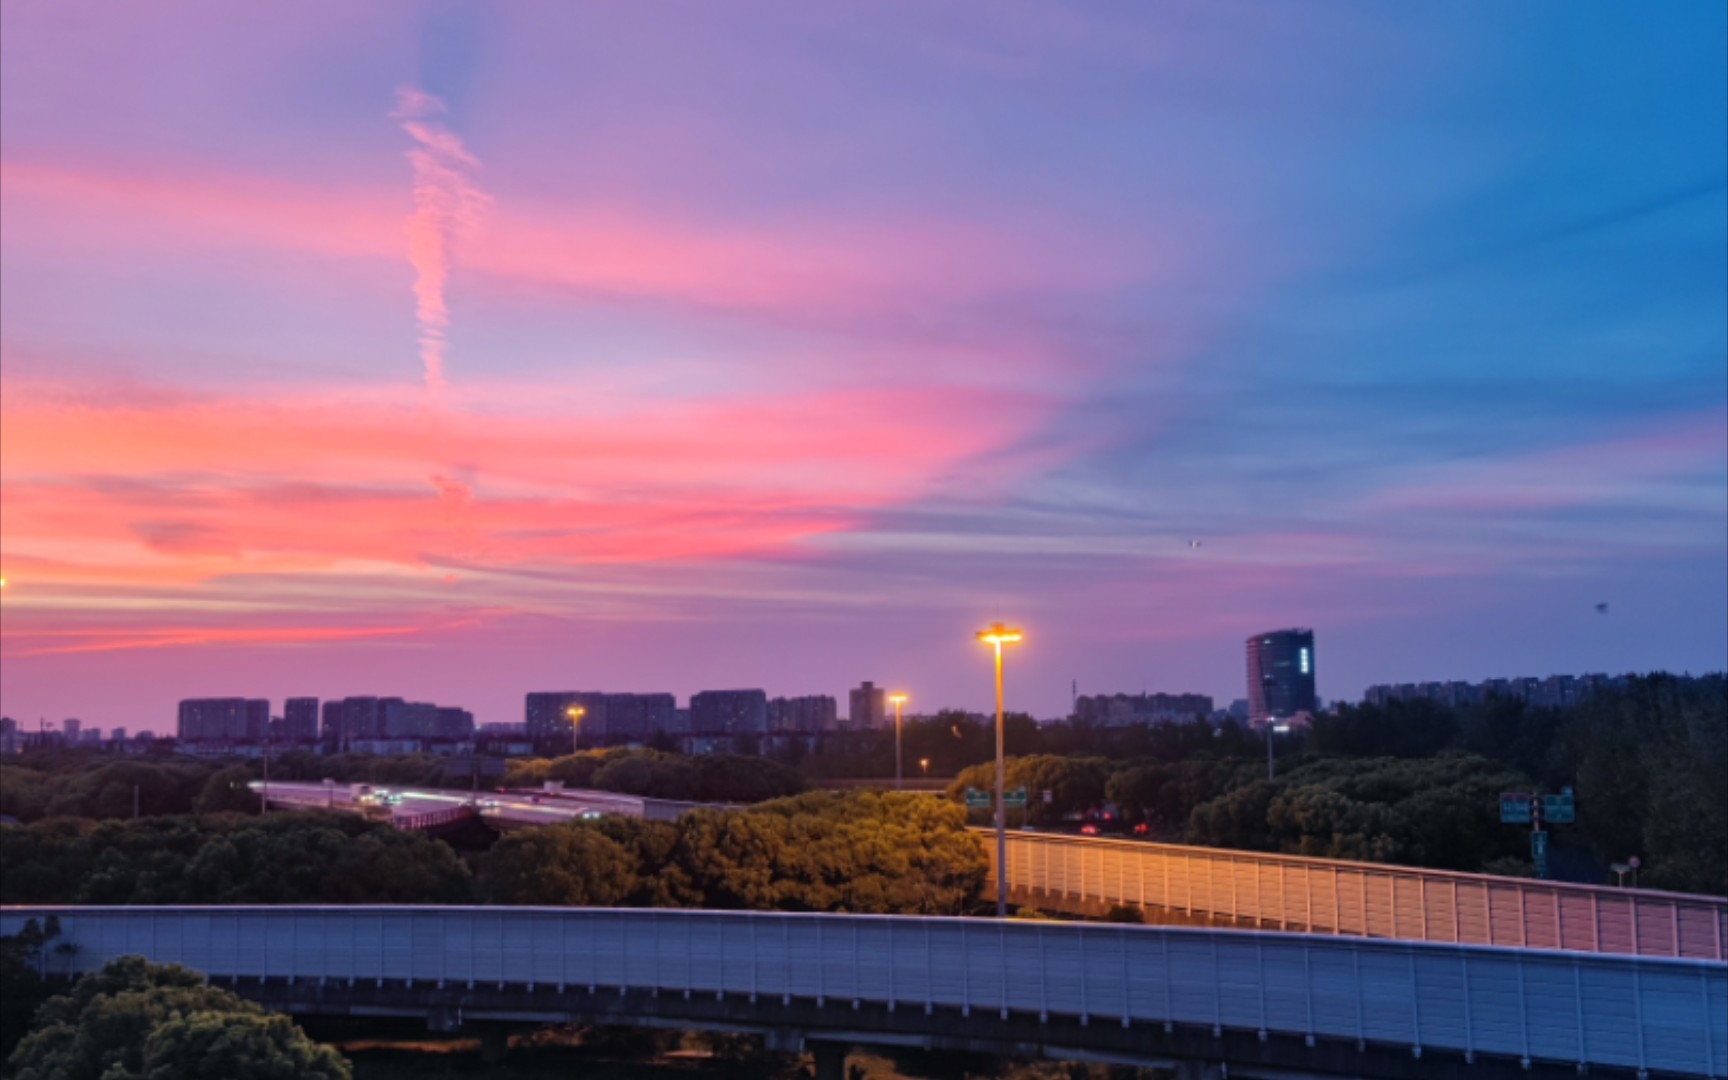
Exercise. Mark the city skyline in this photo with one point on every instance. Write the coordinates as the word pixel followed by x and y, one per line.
pixel 457 352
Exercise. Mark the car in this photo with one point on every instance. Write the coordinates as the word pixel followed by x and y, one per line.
pixel 1142 829
pixel 592 815
pixel 1088 829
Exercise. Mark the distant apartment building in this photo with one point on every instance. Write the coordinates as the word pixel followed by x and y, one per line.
pixel 636 718
pixel 366 722
pixel 867 706
pixel 809 715
pixel 10 740
pixel 73 729
pixel 300 720
pixel 729 712
pixel 223 720
pixel 1554 692
pixel 1121 710
pixel 550 716
pixel 1281 676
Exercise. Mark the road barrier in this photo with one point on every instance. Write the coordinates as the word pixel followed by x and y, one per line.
pixel 1326 896
pixel 1532 1006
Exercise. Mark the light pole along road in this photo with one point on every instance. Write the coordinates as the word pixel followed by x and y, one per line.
pixel 899 702
pixel 999 635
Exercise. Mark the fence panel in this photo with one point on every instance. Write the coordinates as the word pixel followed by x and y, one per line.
pixel 1362 900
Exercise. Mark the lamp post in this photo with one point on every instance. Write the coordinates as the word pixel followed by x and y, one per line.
pixel 999 635
pixel 575 713
pixel 899 703
pixel 1270 728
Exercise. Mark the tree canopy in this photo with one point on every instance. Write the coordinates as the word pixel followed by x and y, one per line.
pixel 134 1020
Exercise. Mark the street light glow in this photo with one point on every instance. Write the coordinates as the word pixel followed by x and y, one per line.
pixel 999 635
pixel 898 699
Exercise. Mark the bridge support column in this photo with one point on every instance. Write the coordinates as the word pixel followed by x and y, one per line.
pixel 830 1060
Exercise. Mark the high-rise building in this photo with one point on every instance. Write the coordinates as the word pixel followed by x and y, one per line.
pixel 729 712
pixel 803 715
pixel 638 717
pixel 300 720
pixel 230 720
pixel 549 721
pixel 867 706
pixel 72 727
pixel 1280 675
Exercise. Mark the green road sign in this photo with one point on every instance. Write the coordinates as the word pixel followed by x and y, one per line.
pixel 977 800
pixel 1515 807
pixel 1559 809
pixel 1016 799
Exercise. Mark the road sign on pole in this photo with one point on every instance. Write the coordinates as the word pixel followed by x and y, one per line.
pixel 1539 853
pixel 1559 809
pixel 1015 799
pixel 1515 807
pixel 977 800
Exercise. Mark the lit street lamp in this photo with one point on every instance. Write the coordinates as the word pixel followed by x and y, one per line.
pixel 575 713
pixel 899 703
pixel 999 635
pixel 1281 729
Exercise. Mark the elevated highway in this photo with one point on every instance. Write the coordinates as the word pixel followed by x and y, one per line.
pixel 1260 1003
pixel 1084 875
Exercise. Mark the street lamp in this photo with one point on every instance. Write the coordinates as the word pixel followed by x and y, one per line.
pixel 575 713
pixel 924 763
pixel 899 703
pixel 999 635
pixel 1281 729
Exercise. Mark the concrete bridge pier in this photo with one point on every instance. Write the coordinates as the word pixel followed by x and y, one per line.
pixel 830 1059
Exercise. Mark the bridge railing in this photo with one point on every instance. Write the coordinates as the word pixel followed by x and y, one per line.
pixel 1326 896
pixel 1572 1008
pixel 435 819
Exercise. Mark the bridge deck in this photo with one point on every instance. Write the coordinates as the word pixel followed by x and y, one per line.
pixel 1571 1009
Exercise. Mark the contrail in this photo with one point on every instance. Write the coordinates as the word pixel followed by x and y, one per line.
pixel 446 204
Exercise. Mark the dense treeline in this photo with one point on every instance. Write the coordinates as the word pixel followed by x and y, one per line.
pixel 861 851
pixel 1416 783
pixel 101 786
pixel 952 741
pixel 727 778
pixel 287 858
pixel 822 851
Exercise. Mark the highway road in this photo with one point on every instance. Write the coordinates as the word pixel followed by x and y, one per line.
pixel 514 808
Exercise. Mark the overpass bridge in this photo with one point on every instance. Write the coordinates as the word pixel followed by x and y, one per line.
pixel 1085 875
pixel 1253 1003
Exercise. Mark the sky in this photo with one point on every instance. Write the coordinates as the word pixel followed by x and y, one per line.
pixel 458 350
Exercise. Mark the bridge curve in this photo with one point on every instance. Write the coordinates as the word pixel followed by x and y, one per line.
pixel 1085 875
pixel 1257 999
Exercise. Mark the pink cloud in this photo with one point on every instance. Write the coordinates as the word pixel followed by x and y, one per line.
pixel 852 269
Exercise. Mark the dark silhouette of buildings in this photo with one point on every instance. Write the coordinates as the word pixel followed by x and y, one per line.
pixel 223 720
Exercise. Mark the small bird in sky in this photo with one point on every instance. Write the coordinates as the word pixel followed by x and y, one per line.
pixel 1602 609
pixel 1193 543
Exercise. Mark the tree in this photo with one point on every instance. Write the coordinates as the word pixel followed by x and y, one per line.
pixel 134 1020
pixel 226 792
pixel 566 865
pixel 222 1045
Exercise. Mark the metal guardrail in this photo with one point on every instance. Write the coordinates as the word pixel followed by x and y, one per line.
pixel 1325 896
pixel 1570 1008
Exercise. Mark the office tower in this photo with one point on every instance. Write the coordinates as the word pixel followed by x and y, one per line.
pixel 1280 675
pixel 867 706
pixel 729 712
